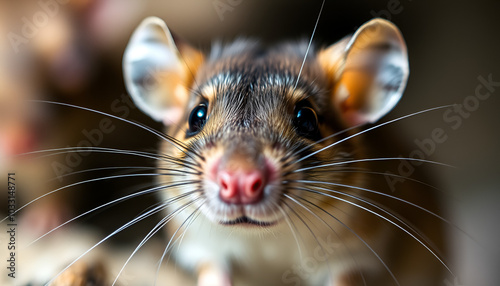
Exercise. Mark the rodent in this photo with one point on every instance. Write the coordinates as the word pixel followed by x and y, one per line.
pixel 261 185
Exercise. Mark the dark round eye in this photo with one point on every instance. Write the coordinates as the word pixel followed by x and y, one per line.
pixel 306 122
pixel 197 119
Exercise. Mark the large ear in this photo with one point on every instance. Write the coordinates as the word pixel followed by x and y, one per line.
pixel 158 72
pixel 369 71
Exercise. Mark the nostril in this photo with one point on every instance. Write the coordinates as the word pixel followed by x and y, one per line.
pixel 228 187
pixel 256 186
pixel 242 186
pixel 224 185
pixel 253 187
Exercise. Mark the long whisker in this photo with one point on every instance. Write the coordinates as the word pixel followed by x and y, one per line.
pixel 58 151
pixel 118 230
pixel 128 168
pixel 162 223
pixel 378 193
pixel 124 198
pixel 366 201
pixel 172 237
pixel 357 235
pixel 309 44
pixel 173 158
pixel 289 196
pixel 386 219
pixel 165 137
pixel 312 233
pixel 181 238
pixel 371 160
pixel 102 169
pixel 186 228
pixel 372 128
pixel 292 229
pixel 309 146
pixel 398 199
pixel 80 183
pixel 391 175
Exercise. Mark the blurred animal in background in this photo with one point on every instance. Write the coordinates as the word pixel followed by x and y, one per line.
pixel 51 52
pixel 24 129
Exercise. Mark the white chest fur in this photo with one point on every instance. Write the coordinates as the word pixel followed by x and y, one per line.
pixel 272 258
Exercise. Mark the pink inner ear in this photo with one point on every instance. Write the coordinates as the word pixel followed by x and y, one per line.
pixel 172 116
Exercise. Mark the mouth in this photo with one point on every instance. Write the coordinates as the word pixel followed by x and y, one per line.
pixel 244 220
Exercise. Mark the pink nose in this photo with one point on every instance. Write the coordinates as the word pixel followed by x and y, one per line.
pixel 241 186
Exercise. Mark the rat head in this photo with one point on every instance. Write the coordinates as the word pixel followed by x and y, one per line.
pixel 246 121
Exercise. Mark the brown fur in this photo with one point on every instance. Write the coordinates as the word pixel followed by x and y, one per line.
pixel 247 112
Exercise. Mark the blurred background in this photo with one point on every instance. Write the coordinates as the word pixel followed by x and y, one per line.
pixel 70 51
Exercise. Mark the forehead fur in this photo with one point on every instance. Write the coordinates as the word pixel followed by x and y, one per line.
pixel 248 74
